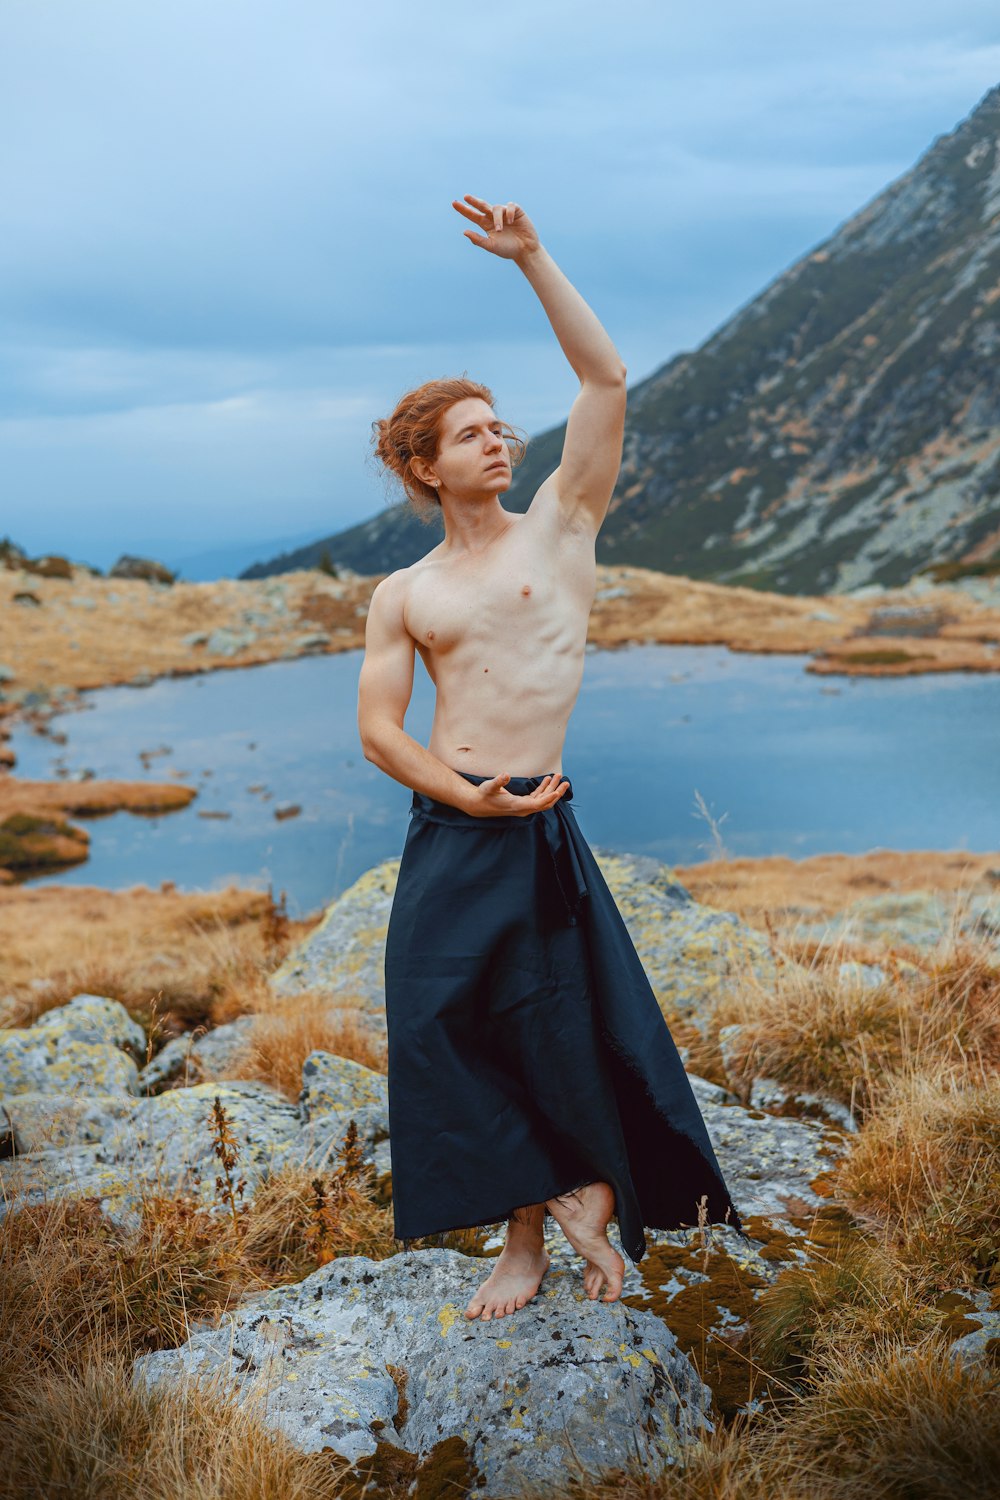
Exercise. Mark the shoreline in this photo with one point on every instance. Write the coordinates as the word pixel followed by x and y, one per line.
pixel 73 635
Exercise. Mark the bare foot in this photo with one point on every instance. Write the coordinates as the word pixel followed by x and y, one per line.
pixel 513 1281
pixel 583 1218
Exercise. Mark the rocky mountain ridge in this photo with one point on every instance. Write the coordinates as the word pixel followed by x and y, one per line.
pixel 841 429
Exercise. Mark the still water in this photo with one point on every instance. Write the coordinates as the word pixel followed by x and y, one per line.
pixel 784 763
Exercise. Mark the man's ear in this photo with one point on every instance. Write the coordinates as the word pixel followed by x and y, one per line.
pixel 424 472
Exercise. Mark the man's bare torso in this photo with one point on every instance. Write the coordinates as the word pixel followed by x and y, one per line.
pixel 503 636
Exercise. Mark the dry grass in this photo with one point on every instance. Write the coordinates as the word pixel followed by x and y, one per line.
pixel 81 1297
pixel 815 1030
pixel 775 892
pixel 288 1028
pixel 89 1434
pixel 889 1420
pixel 927 1167
pixel 173 960
pixel 857 1296
pixel 76 1285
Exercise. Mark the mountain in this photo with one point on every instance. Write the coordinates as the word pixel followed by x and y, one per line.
pixel 225 561
pixel 841 428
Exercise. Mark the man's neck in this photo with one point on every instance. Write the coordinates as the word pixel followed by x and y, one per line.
pixel 471 526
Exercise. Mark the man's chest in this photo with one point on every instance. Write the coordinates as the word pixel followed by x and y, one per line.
pixel 445 610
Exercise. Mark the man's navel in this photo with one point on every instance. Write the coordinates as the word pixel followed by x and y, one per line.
pixel 526 589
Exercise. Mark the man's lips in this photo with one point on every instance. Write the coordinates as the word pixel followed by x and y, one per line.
pixel 500 465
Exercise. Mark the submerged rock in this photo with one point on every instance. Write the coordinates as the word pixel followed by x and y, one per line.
pixel 366 1352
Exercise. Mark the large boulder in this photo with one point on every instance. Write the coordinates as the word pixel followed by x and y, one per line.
pixel 168 1139
pixel 44 1122
pixel 79 1050
pixel 94 1018
pixel 365 1353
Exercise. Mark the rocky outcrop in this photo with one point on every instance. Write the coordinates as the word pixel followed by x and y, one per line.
pixel 367 1352
pixel 375 1359
pixel 144 568
pixel 85 1047
pixel 921 919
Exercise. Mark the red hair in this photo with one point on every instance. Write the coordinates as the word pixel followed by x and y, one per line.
pixel 414 431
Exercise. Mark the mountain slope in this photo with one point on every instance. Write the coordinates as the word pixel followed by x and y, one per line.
pixel 841 428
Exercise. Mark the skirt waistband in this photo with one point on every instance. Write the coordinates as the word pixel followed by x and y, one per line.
pixel 518 786
pixel 558 826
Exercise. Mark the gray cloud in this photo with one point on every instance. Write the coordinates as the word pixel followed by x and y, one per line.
pixel 228 240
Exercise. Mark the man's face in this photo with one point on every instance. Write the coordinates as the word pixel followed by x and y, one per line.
pixel 472 458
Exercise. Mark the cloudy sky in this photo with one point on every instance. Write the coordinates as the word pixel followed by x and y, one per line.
pixel 226 239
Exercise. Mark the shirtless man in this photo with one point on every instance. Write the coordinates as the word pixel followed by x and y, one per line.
pixel 498 612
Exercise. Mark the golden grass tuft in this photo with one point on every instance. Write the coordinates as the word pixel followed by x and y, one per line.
pixel 90 1434
pixel 816 1032
pixel 927 1166
pixel 857 1295
pixel 174 960
pixel 894 1421
pixel 288 1028
pixel 935 1012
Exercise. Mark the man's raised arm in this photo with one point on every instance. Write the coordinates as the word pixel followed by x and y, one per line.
pixel 592 448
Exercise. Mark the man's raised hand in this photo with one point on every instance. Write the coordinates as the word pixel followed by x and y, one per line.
pixel 510 233
pixel 495 800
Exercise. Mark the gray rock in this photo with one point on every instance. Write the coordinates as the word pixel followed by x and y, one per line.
pixel 223 642
pixel 343 955
pixel 868 976
pixel 770 1095
pixel 163 1144
pixel 168 1138
pixel 94 1018
pixel 144 568
pixel 770 1162
pixel 335 1091
pixel 193 1058
pixel 566 1383
pixel 34 1060
pixel 920 918
pixel 43 1122
pixel 979 1346
pixel 316 640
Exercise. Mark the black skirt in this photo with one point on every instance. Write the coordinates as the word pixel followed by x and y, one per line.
pixel 527 1054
